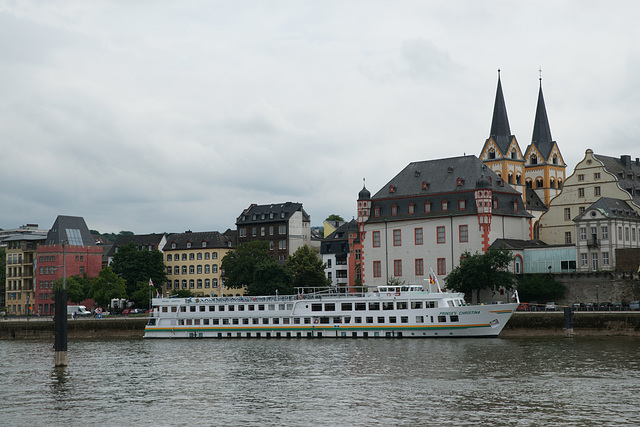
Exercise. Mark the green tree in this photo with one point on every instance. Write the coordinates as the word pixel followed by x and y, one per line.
pixel 140 297
pixel 239 264
pixel 78 288
pixel 307 270
pixel 334 217
pixel 270 278
pixel 136 266
pixel 107 286
pixel 540 287
pixel 482 271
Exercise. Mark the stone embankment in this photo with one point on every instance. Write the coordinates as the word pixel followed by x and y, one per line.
pixel 522 324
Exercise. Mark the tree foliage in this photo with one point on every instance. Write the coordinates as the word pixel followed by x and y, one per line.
pixel 182 293
pixel 482 271
pixel 239 264
pixel 540 287
pixel 334 217
pixel 270 278
pixel 107 286
pixel 307 270
pixel 136 266
pixel 78 288
pixel 140 297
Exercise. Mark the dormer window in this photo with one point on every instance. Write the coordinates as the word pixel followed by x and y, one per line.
pixel 394 210
pixel 271 215
pixel 204 244
pixel 392 189
pixel 173 245
pixel 412 208
pixel 188 244
pixel 255 217
pixel 376 211
pixel 282 214
pixel 427 207
pixel 462 204
pixel 515 205
pixel 459 182
pixel 263 216
pixel 445 205
pixel 425 186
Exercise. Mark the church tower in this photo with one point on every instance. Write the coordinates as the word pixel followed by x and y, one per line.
pixel 501 151
pixel 544 165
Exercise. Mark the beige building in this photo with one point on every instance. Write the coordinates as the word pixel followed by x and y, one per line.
pixel 193 263
pixel 594 177
pixel 20 292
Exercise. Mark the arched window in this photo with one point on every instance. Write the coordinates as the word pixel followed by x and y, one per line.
pixel 519 179
pixel 510 178
pixel 534 159
pixel 539 183
pixel 552 183
pixel 555 159
pixel 514 155
pixel 559 184
pixel 492 154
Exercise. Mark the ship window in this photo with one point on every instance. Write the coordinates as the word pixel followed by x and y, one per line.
pixel 164 309
pixel 337 320
pixel 429 304
pixel 225 321
pixel 221 308
pixel 316 307
pixel 404 319
pixel 192 308
pixel 402 305
pixel 236 321
pixel 296 320
pixel 307 320
pixel 330 307
pixel 285 321
pixel 189 322
pixel 361 306
pixel 392 319
pixel 265 321
pixel 387 305
pixel 380 319
pixel 215 321
pixel 261 307
pixel 241 307
pixel 205 321
pixel 174 309
pixel 202 307
pixel 419 319
pixel 324 320
pixel 370 319
pixel 255 321
pixel 357 319
pixel 374 306
pixel 347 319
pixel 346 306
pixel 442 318
pixel 252 307
pixel 454 318
pixel 416 304
pixel 281 306
pixel 232 307
pixel 245 321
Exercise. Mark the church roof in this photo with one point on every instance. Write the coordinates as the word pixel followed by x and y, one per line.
pixel 611 208
pixel 541 137
pixel 500 130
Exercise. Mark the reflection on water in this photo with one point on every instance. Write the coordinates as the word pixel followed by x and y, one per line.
pixel 361 382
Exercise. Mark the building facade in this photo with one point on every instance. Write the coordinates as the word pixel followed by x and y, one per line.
pixel 341 252
pixel 432 212
pixel 144 242
pixel 193 263
pixel 68 250
pixel 594 177
pixel 285 226
pixel 19 291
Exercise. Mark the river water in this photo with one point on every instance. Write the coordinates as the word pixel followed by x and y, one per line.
pixel 327 382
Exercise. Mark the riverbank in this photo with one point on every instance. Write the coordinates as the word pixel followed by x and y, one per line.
pixel 521 324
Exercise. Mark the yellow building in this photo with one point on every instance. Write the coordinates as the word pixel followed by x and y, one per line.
pixel 21 257
pixel 193 263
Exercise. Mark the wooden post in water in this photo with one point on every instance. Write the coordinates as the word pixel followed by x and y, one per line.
pixel 60 317
pixel 568 322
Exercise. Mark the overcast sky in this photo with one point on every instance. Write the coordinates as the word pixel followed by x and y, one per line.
pixel 155 116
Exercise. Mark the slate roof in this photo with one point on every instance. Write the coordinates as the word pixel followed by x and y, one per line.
pixel 452 179
pixel 517 244
pixel 534 203
pixel 338 242
pixel 541 137
pixel 72 230
pixel 611 208
pixel 627 172
pixel 140 240
pixel 500 130
pixel 213 239
pixel 276 212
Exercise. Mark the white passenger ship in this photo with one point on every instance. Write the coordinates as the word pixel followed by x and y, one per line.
pixel 391 311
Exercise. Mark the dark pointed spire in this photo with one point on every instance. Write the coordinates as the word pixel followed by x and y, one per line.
pixel 500 122
pixel 541 131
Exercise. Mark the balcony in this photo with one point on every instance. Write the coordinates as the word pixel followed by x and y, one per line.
pixel 593 242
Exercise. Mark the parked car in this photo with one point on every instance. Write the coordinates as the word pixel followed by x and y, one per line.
pixel 533 306
pixel 579 306
pixel 634 305
pixel 591 306
pixel 551 306
pixel 605 306
pixel 523 306
pixel 621 306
